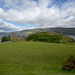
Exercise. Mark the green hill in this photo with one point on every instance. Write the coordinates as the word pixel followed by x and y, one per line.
pixel 51 37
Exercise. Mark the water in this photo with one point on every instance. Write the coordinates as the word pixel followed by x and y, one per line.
pixel 72 36
pixel 0 38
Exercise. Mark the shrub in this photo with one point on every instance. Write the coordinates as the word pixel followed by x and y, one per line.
pixel 69 64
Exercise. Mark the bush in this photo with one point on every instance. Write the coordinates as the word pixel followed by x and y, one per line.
pixel 69 64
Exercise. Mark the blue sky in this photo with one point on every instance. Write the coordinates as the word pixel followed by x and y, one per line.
pixel 22 25
pixel 16 15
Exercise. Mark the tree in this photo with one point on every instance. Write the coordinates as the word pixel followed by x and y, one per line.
pixel 9 38
pixel 4 38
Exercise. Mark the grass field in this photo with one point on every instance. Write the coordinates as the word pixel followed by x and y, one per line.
pixel 34 58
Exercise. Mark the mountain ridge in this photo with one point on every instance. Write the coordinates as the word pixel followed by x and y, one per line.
pixel 65 31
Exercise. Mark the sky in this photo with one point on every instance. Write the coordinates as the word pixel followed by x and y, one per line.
pixel 17 15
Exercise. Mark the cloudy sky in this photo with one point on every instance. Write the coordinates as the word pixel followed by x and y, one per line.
pixel 18 15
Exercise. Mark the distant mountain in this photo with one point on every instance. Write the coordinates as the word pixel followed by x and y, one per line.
pixel 65 31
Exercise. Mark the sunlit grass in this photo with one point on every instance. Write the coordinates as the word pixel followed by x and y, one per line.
pixel 34 58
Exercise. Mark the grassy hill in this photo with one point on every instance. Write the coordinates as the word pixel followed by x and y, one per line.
pixel 34 58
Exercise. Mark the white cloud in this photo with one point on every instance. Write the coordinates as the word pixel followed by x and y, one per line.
pixel 8 27
pixel 37 13
pixel 4 26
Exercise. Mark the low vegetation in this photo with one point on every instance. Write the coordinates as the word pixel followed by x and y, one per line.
pixel 50 37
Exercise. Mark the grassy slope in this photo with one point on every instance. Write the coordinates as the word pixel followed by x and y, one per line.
pixel 34 58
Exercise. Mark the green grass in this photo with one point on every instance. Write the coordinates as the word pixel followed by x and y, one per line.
pixel 34 58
